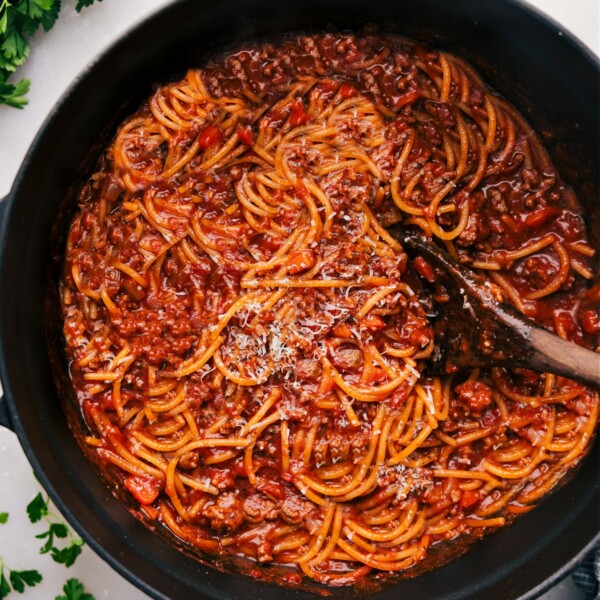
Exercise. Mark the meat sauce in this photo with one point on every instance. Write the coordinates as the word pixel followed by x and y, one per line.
pixel 244 342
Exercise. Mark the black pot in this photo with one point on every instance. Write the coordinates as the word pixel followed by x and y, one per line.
pixel 547 74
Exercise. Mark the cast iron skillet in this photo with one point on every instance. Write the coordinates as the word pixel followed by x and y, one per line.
pixel 550 77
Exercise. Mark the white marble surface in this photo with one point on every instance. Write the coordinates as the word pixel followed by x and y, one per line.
pixel 55 60
pixel 20 549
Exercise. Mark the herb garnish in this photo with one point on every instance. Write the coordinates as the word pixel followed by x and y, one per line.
pixel 19 20
pixel 74 590
pixel 37 509
pixel 83 3
pixel 18 579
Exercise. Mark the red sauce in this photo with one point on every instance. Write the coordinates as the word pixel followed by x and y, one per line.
pixel 244 339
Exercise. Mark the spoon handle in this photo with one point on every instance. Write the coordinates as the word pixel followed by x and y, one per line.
pixel 555 355
pixel 497 333
pixel 541 350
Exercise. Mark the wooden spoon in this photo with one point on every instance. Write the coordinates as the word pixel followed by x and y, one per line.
pixel 474 330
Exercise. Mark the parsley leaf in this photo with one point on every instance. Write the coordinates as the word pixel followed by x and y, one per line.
pixel 74 590
pixel 40 5
pixel 81 4
pixel 50 14
pixel 19 579
pixel 4 587
pixel 49 542
pixel 56 529
pixel 59 530
pixel 6 67
pixel 3 518
pixel 37 508
pixel 69 554
pixel 14 47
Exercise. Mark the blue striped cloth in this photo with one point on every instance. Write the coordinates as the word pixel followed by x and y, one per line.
pixel 587 575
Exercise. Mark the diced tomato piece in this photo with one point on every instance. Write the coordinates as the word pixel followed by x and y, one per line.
pixel 347 91
pixel 469 498
pixel 245 134
pixel 424 269
pixel 143 489
pixel 540 217
pixel 209 136
pixel 300 261
pixel 377 375
pixel 299 116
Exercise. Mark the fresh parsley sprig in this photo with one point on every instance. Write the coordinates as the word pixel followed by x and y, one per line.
pixel 19 580
pixel 37 510
pixel 74 590
pixel 19 20
pixel 14 95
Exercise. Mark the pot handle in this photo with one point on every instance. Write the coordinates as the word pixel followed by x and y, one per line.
pixel 4 416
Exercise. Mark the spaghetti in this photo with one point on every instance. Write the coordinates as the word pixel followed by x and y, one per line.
pixel 244 339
